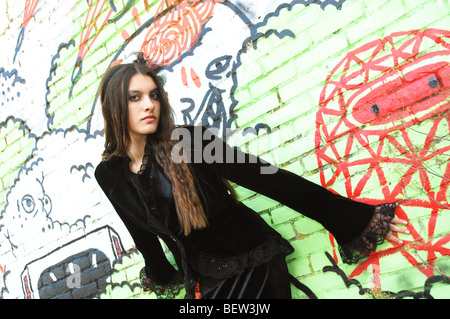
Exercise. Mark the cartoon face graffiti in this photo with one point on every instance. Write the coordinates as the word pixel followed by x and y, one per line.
pixel 34 205
pixel 53 198
pixel 31 209
pixel 382 123
pixel 41 202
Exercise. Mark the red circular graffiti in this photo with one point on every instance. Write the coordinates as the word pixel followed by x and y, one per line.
pixel 177 27
pixel 382 127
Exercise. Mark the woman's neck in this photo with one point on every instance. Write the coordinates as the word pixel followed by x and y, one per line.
pixel 136 153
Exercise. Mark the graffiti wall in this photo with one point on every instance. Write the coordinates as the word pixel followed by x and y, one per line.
pixel 352 95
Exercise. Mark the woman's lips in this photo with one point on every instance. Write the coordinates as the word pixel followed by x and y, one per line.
pixel 149 118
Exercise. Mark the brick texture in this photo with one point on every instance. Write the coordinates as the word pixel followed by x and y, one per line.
pixel 352 95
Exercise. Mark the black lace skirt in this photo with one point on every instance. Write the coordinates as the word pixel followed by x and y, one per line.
pixel 270 280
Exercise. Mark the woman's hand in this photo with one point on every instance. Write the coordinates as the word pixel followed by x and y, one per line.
pixel 147 284
pixel 397 229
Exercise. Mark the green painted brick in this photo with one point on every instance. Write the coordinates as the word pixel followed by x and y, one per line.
pixel 279 84
pixel 283 153
pixel 440 290
pixel 322 52
pixel 307 226
pixel 248 72
pixel 317 241
pixel 283 214
pixel 310 162
pixel 263 86
pixel 352 292
pixel 112 45
pixel 300 267
pixel 132 272
pixel 325 284
pixel 93 59
pixel 243 192
pixel 260 203
pixel 284 51
pixel 443 220
pixel 263 143
pixel 285 230
pixel 394 262
pixel 243 97
pixel 294 92
pixel 258 108
pixel 407 279
pixel 336 21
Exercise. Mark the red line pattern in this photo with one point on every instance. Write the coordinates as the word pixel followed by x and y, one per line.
pixel 30 7
pixel 92 26
pixel 383 125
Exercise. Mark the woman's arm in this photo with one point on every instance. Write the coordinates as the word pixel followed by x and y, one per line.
pixel 346 219
pixel 157 267
pixel 341 216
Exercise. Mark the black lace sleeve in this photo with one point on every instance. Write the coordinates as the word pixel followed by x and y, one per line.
pixel 169 291
pixel 371 237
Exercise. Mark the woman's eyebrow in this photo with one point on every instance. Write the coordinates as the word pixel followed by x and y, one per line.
pixel 139 91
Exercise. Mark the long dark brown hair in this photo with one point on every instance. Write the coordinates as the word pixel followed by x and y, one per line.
pixel 114 100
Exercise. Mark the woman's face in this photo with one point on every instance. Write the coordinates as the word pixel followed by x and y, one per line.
pixel 143 106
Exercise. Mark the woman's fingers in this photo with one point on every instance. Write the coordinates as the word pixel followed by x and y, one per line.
pixel 397 229
pixel 393 238
pixel 399 221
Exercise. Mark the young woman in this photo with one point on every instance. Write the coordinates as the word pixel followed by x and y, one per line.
pixel 222 248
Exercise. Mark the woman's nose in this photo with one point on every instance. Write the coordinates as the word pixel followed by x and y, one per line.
pixel 148 104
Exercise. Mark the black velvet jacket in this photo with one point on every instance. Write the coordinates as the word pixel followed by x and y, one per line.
pixel 232 228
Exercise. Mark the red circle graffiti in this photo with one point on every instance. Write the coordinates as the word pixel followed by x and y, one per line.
pixel 177 27
pixel 382 128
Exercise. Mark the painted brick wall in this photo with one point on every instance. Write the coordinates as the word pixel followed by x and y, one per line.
pixel 353 95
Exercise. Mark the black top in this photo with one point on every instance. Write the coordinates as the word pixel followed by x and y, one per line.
pixel 236 237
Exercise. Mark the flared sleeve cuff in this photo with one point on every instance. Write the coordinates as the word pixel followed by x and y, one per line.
pixel 169 291
pixel 374 235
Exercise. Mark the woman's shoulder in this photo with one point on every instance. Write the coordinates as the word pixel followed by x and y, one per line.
pixel 108 168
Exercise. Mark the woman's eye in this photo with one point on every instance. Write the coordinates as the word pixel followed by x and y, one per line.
pixel 134 97
pixel 154 95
